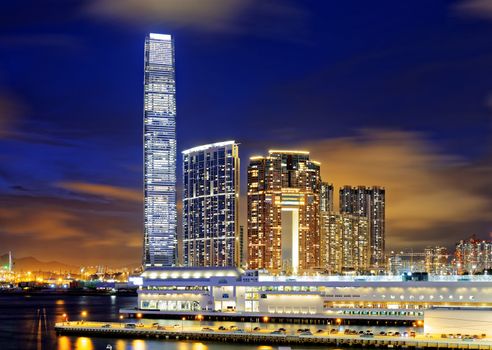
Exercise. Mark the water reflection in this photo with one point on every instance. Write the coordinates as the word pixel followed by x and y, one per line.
pixel 64 343
pixel 84 343
pixel 199 346
pixel 139 344
pixel 120 345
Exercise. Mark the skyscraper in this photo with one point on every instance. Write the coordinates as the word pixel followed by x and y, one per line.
pixel 283 212
pixel 159 152
pixel 210 205
pixel 368 202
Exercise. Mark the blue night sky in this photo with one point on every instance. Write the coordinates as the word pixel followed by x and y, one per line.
pixel 390 93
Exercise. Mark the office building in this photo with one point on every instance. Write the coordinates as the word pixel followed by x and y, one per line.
pixel 283 212
pixel 159 127
pixel 210 205
pixel 368 202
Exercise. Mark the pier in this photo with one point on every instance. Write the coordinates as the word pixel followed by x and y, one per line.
pixel 181 333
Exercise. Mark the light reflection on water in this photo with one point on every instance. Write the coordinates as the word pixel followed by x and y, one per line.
pixel 26 322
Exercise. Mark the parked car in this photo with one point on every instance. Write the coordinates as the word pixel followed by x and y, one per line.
pixel 107 325
pixel 320 331
pixel 308 332
pixel 276 332
pixel 383 333
pixel 256 329
pixel 130 325
pixel 222 328
pixel 333 331
pixel 207 329
pixel 238 331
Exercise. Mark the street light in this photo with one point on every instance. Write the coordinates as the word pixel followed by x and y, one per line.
pixel 265 319
pixel 83 314
pixel 65 317
pixel 338 322
pixel 182 323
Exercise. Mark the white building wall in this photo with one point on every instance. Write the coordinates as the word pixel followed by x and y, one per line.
pixel 291 304
pixel 458 321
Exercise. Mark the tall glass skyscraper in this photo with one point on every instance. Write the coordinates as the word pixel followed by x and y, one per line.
pixel 210 205
pixel 159 152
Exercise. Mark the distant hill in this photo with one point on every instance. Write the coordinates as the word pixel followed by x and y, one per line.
pixel 32 264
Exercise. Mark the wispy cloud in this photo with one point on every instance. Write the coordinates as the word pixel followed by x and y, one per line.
pixel 476 8
pixel 430 195
pixel 260 18
pixel 71 230
pixel 45 223
pixel 106 191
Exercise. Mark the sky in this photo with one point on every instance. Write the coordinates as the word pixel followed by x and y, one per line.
pixel 389 93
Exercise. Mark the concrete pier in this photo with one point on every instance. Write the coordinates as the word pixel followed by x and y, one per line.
pixel 119 330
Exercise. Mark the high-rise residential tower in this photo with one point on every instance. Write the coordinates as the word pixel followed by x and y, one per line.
pixel 210 205
pixel 326 198
pixel 159 152
pixel 283 212
pixel 344 243
pixel 368 202
pixel 473 255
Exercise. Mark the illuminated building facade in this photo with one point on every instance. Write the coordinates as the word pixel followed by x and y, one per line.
pixel 406 262
pixel 229 292
pixel 210 205
pixel 326 198
pixel 368 202
pixel 436 260
pixel 345 246
pixel 159 152
pixel 473 256
pixel 283 212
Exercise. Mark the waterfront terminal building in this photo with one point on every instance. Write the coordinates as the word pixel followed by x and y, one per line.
pixel 231 293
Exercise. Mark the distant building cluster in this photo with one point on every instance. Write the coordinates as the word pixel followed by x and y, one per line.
pixel 473 256
pixel 292 224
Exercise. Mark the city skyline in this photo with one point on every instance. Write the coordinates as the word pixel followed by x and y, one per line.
pixel 385 108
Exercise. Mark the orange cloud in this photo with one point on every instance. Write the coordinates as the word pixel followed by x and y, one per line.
pixel 47 224
pixel 103 191
pixel 425 189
